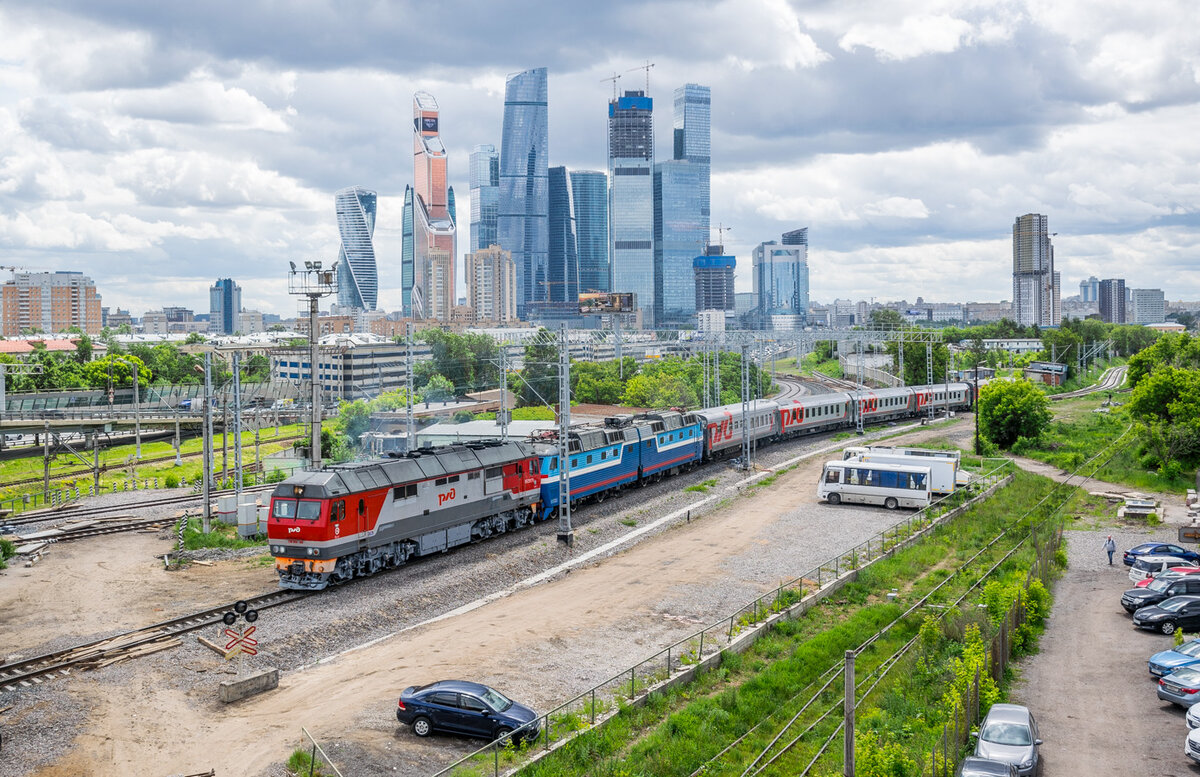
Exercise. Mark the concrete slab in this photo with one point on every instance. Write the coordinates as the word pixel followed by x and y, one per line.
pixel 250 685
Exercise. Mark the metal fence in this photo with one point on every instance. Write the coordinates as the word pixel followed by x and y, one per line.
pixel 679 660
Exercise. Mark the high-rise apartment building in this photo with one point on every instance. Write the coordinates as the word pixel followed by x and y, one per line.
pixel 49 302
pixel 1112 300
pixel 358 281
pixel 522 222
pixel 1089 290
pixel 781 283
pixel 1146 306
pixel 713 276
pixel 589 195
pixel 434 235
pixel 484 179
pixel 225 302
pixel 631 199
pixel 491 285
pixel 681 207
pixel 562 263
pixel 1036 286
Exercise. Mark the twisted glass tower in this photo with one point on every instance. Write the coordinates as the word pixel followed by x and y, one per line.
pixel 358 282
pixel 522 221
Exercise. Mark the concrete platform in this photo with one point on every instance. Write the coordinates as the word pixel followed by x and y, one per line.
pixel 249 685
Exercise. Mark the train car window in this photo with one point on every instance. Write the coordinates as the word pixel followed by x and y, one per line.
pixel 494 472
pixel 308 510
pixel 473 475
pixel 454 478
pixel 362 507
pixel 285 508
pixel 589 458
pixel 440 482
pixel 339 510
pixel 603 455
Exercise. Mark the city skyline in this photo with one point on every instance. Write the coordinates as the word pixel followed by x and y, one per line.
pixel 170 140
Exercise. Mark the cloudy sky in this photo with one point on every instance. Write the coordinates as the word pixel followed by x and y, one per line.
pixel 159 146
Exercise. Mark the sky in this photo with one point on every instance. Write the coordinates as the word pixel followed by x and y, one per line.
pixel 159 146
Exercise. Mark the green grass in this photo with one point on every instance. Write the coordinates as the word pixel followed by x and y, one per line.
pixel 679 730
pixel 829 367
pixel 7 551
pixel 702 488
pixel 221 536
pixel 630 522
pixel 301 764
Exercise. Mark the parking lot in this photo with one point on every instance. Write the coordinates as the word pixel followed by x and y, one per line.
pixel 1089 687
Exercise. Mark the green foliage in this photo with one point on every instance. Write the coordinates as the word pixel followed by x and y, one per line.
pixel 915 360
pixel 438 388
pixel 702 488
pixel 1180 350
pixel 1167 403
pixel 1178 638
pixel 7 550
pixel 220 536
pixel 276 476
pixel 171 481
pixel 538 383
pixel 963 670
pixel 875 758
pixel 659 390
pixel 300 763
pixel 1010 409
pixel 601 383
pixel 468 362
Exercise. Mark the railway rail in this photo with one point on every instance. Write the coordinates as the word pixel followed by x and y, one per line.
pixel 27 673
pixel 1111 380
pixel 87 512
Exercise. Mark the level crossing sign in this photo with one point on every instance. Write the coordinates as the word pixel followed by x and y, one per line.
pixel 240 642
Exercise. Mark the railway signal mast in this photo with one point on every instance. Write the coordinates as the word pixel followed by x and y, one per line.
pixel 313 282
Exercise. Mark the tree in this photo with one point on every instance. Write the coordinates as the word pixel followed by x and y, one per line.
pixel 599 382
pixel 1176 350
pixel 658 391
pixel 915 359
pixel 354 418
pixel 193 338
pixel 886 318
pixel 1009 409
pixel 539 375
pixel 1167 403
pixel 438 389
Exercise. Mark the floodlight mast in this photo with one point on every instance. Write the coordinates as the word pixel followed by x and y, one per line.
pixel 313 282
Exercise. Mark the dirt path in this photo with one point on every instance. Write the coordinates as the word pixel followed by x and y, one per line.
pixel 1172 508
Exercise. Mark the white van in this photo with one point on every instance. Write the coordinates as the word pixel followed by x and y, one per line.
pixel 1149 566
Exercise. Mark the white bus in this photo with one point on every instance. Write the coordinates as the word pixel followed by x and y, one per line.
pixel 888 450
pixel 945 466
pixel 874 483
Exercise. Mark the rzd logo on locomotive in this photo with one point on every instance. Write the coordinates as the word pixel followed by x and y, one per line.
pixel 446 497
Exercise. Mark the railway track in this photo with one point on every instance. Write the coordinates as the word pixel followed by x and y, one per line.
pixel 1111 380
pixel 84 532
pixel 27 673
pixel 86 512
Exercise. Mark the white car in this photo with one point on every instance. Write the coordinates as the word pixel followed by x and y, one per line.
pixel 1149 566
pixel 1193 716
pixel 1191 748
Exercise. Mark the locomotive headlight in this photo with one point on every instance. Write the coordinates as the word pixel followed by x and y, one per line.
pixel 315 551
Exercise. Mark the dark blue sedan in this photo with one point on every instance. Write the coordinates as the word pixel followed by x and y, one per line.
pixel 461 707
pixel 1158 549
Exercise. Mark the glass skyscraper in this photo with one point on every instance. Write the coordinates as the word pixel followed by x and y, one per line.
pixel 631 199
pixel 523 212
pixel 484 178
pixel 562 268
pixel 225 302
pixel 406 253
pixel 589 191
pixel 781 282
pixel 358 281
pixel 434 236
pixel 681 208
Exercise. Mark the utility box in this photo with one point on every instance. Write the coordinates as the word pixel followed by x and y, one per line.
pixel 247 519
pixel 227 509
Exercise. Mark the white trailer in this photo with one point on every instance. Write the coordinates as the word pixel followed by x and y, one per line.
pixel 943 472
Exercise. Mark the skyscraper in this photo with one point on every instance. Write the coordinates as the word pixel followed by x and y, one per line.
pixel 522 219
pixel 631 199
pixel 713 274
pixel 1146 306
pixel 781 283
pixel 225 302
pixel 358 282
pixel 562 266
pixel 434 236
pixel 1036 289
pixel 589 192
pixel 484 178
pixel 491 285
pixel 1089 290
pixel 407 251
pixel 1112 300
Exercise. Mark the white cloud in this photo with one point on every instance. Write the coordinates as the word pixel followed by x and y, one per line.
pixel 913 37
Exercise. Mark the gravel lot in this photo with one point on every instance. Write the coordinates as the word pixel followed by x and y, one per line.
pixel 558 657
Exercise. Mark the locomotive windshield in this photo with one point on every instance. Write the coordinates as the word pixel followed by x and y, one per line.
pixel 303 509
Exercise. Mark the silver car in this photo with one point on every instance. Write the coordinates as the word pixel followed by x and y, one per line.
pixel 1181 687
pixel 1010 734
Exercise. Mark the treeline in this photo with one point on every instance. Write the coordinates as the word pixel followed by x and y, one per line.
pixel 1165 378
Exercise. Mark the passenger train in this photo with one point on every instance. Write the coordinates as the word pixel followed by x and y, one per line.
pixel 350 520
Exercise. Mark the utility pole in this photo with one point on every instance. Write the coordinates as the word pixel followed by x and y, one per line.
pixel 46 461
pixel 503 392
pixel 96 463
pixel 929 372
pixel 409 427
pixel 745 407
pixel 209 453
pixel 224 435
pixel 848 716
pixel 566 533
pixel 237 427
pixel 314 282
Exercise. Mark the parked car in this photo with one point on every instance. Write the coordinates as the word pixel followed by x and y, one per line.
pixel 1149 566
pixel 1158 549
pixel 973 766
pixel 1158 591
pixel 1178 612
pixel 1191 747
pixel 1193 716
pixel 461 707
pixel 1167 574
pixel 1187 654
pixel 1181 687
pixel 1010 734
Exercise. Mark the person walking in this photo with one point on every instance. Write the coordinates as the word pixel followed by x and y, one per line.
pixel 1110 547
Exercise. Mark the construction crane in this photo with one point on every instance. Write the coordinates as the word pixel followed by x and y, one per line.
pixel 645 67
pixel 614 78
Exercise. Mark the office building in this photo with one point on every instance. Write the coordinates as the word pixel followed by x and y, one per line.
pixel 797 237
pixel 484 179
pixel 562 259
pixel 434 233
pixel 1089 290
pixel 713 278
pixel 522 221
pixel 781 283
pixel 491 286
pixel 1036 290
pixel 225 302
pixel 407 251
pixel 589 196
pixel 631 199
pixel 358 282
pixel 1146 306
pixel 1112 300
pixel 49 302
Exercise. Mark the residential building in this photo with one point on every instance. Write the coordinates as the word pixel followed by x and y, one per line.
pixel 589 196
pixel 491 286
pixel 439 300
pixel 484 178
pixel 154 322
pixel 562 258
pixel 434 235
pixel 358 281
pixel 682 207
pixel 178 315
pixel 1148 306
pixel 1112 300
pixel 1089 290
pixel 1036 289
pixel 781 283
pixel 112 320
pixel 710 320
pixel 251 322
pixel 713 276
pixel 631 199
pixel 225 302
pixel 522 221
pixel 49 302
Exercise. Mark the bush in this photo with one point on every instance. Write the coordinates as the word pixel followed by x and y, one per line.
pixel 7 551
pixel 276 476
pixel 301 764
pixel 875 758
pixel 171 481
